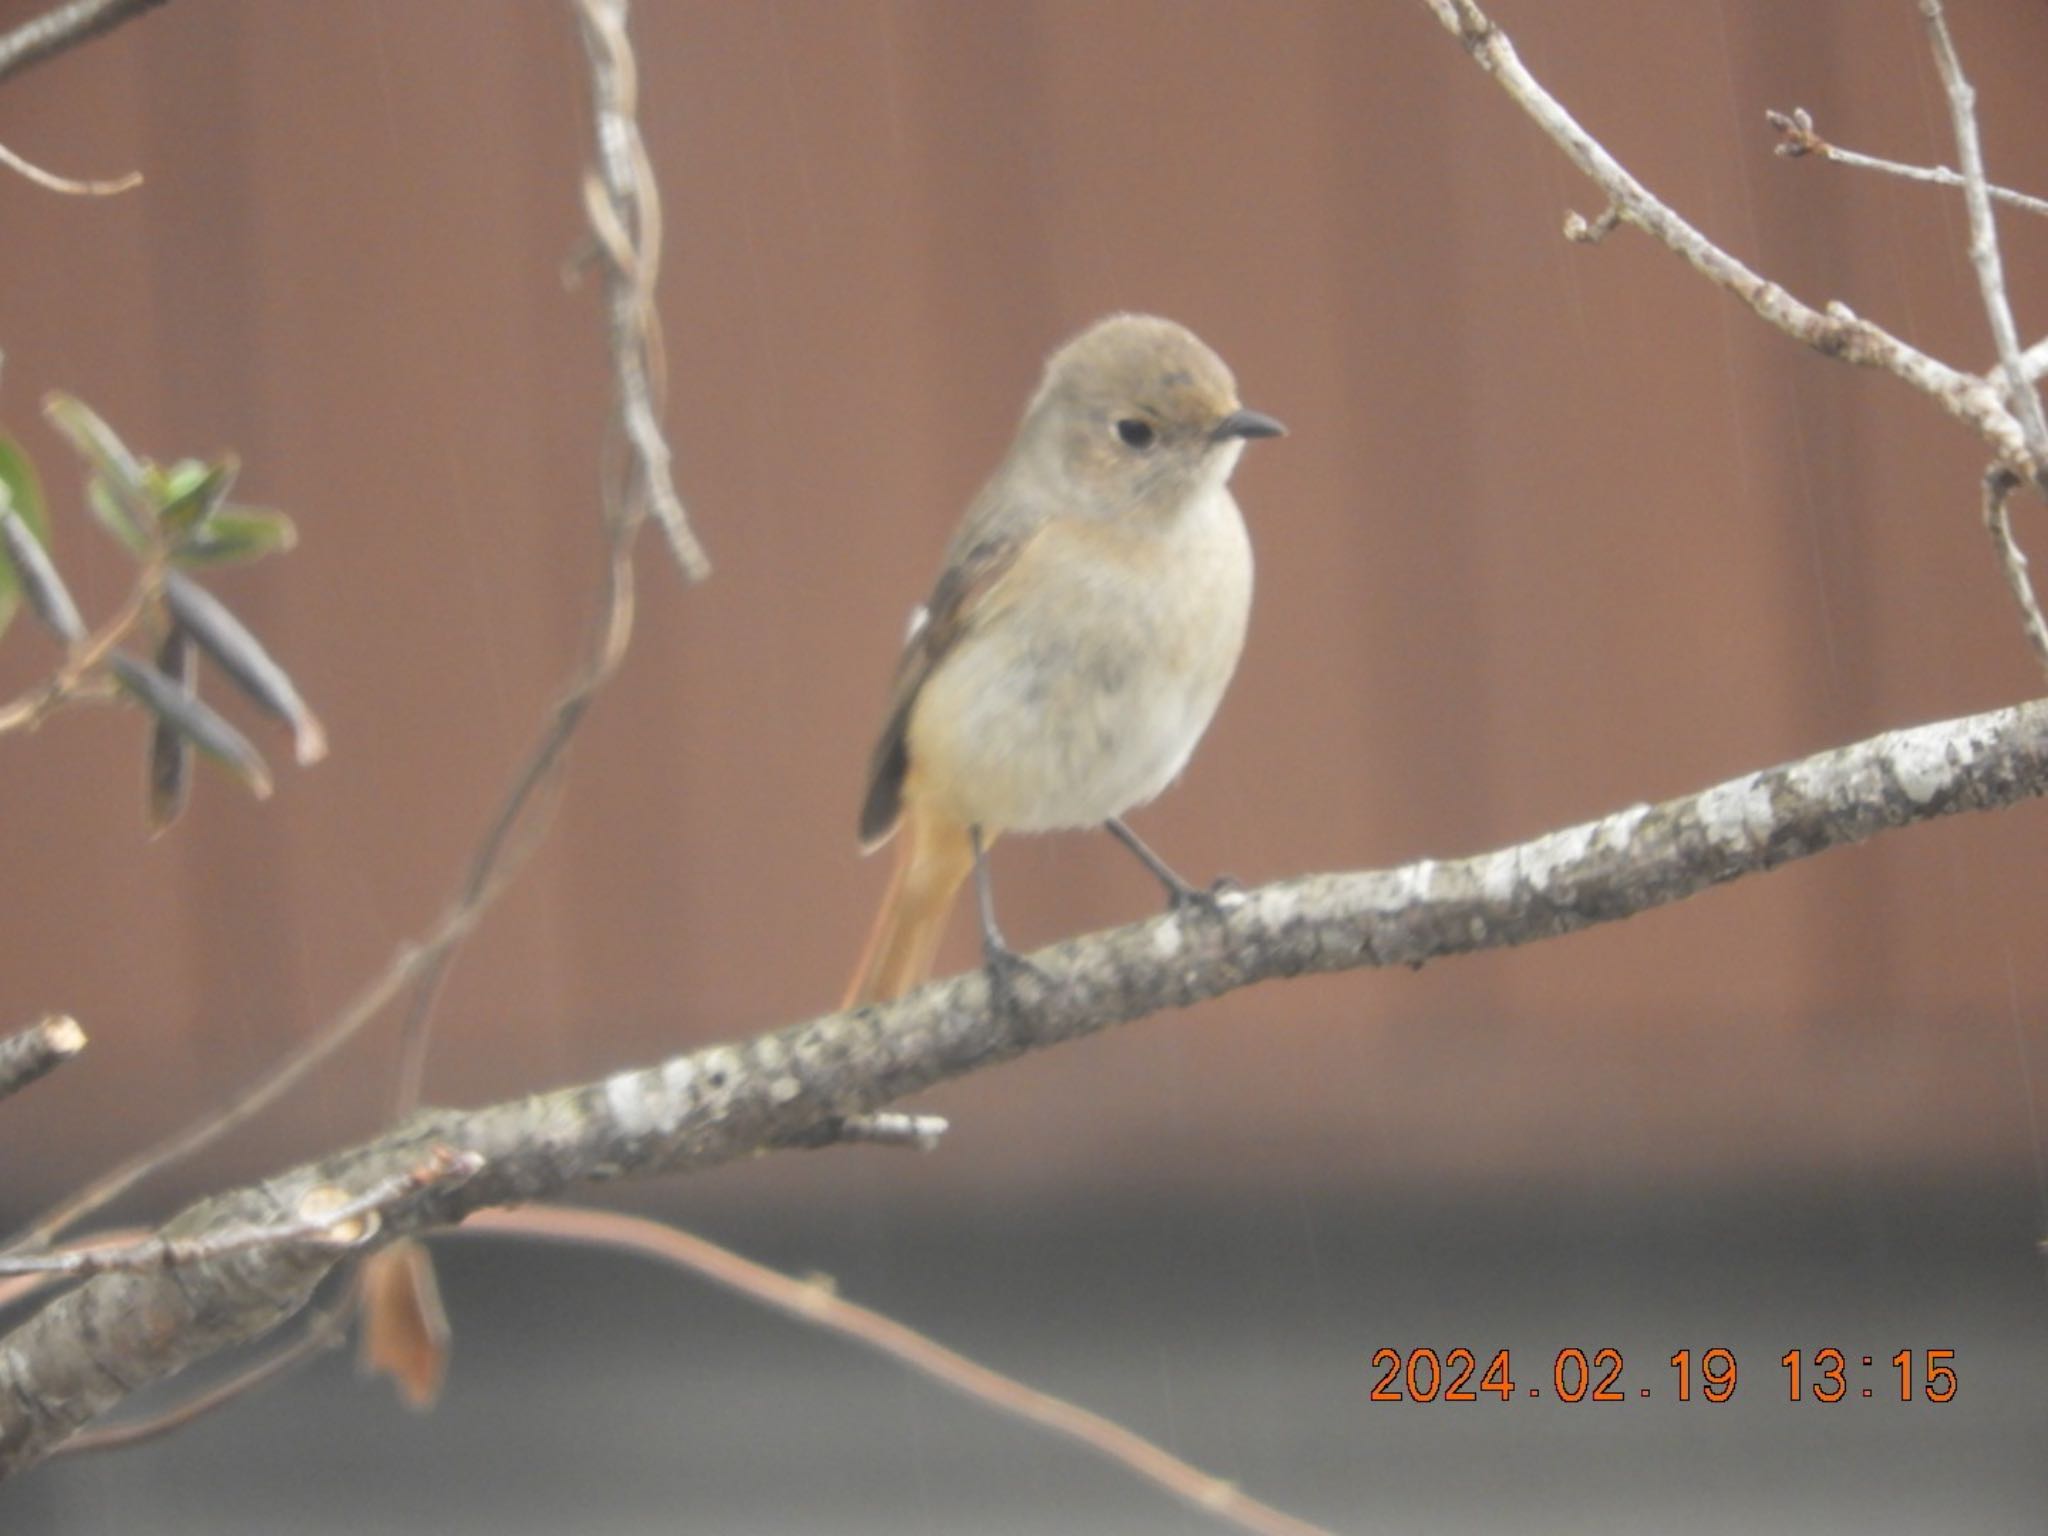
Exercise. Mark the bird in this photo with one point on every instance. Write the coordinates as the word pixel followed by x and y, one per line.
pixel 1087 618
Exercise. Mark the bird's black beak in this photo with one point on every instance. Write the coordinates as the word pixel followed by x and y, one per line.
pixel 1246 424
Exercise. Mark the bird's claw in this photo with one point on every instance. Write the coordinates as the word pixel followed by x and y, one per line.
pixel 1005 967
pixel 1214 902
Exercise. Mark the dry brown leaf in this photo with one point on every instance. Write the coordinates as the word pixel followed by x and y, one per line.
pixel 405 1329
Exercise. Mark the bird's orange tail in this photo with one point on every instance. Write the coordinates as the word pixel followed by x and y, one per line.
pixel 933 855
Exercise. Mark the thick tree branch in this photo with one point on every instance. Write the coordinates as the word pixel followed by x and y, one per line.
pixel 327 1218
pixel 1836 331
pixel 325 1329
pixel 63 27
pixel 89 1349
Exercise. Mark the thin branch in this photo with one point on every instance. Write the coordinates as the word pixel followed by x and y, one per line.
pixel 63 27
pixel 34 1053
pixel 1581 230
pixel 1798 139
pixel 254 1098
pixel 1999 484
pixel 917 1133
pixel 1984 254
pixel 624 201
pixel 1837 331
pixel 420 968
pixel 2034 361
pixel 327 1217
pixel 82 678
pixel 17 1288
pixel 813 1302
pixel 87 1350
pixel 623 206
pixel 52 182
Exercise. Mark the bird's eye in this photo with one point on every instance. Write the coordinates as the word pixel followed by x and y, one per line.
pixel 1136 433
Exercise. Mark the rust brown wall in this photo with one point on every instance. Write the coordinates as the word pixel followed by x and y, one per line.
pixel 1557 529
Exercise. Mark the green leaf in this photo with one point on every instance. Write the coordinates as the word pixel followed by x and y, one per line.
pixel 119 492
pixel 19 489
pixel 37 579
pixel 195 492
pixel 175 481
pixel 24 489
pixel 113 517
pixel 170 750
pixel 192 718
pixel 236 533
pixel 248 665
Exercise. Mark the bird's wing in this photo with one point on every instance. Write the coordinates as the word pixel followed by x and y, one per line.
pixel 961 595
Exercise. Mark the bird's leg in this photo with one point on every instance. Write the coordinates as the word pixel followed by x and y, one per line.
pixel 1002 962
pixel 1179 894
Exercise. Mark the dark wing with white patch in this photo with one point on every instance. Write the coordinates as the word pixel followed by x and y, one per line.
pixel 961 592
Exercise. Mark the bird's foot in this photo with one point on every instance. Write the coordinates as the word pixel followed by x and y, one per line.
pixel 1213 901
pixel 1180 896
pixel 1005 968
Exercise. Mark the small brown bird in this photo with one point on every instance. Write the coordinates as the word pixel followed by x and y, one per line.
pixel 1089 615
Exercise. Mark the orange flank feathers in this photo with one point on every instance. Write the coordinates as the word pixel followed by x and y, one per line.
pixel 933 856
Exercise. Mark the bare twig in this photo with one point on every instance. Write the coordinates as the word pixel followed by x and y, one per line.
pixel 254 1099
pixel 84 1352
pixel 63 27
pixel 1836 331
pixel 420 967
pixel 814 1302
pixel 918 1133
pixel 1798 139
pixel 2035 360
pixel 327 1217
pixel 52 182
pixel 1999 484
pixel 31 1054
pixel 14 1288
pixel 82 676
pixel 1581 230
pixel 1984 254
pixel 624 209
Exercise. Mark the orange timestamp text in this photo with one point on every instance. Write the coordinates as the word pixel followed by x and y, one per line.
pixel 1830 1375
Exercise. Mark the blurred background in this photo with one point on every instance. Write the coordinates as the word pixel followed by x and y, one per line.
pixel 1557 529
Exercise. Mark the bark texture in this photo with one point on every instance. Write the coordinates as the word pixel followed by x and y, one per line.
pixel 86 1351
